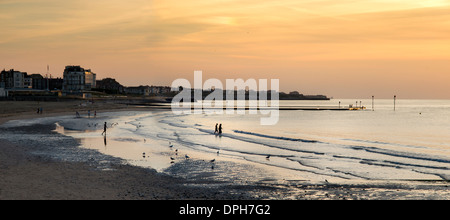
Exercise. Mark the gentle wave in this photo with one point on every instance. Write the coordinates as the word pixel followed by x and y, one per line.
pixel 272 144
pixel 324 159
pixel 385 143
pixel 276 137
pixel 400 154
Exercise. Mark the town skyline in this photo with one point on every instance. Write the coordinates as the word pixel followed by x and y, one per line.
pixel 78 82
pixel 344 49
pixel 49 75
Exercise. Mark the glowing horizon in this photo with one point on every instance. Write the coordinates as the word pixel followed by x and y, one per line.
pixel 342 49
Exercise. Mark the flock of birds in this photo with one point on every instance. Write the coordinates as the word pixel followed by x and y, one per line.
pixel 95 125
pixel 172 159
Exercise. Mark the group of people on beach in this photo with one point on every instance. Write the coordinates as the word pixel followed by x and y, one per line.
pixel 218 129
pixel 77 114
pixel 89 114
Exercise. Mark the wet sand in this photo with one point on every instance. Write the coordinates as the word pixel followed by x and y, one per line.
pixel 28 172
pixel 10 110
pixel 25 176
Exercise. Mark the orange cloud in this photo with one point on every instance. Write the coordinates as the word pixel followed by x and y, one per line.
pixel 323 44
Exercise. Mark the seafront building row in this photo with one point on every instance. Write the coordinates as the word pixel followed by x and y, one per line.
pixel 76 81
pixel 80 82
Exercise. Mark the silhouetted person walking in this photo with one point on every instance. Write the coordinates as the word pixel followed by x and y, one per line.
pixel 220 129
pixel 104 129
pixel 217 129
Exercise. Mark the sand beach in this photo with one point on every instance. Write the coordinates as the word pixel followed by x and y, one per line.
pixel 45 164
pixel 29 176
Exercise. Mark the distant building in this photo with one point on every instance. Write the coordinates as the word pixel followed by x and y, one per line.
pixel 3 92
pixel 27 82
pixel 91 79
pixel 55 83
pixel 148 90
pixel 13 79
pixel 109 85
pixel 74 79
pixel 77 80
pixel 41 83
pixel 38 82
pixel 140 90
pixel 160 89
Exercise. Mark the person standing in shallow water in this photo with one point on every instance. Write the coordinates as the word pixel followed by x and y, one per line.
pixel 104 129
pixel 220 129
pixel 217 130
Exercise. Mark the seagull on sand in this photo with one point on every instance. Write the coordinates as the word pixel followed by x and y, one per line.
pixel 186 156
pixel 213 160
pixel 170 145
pixel 268 157
pixel 171 158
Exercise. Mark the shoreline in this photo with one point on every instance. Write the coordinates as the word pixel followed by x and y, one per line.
pixel 31 177
pixel 37 176
pixel 27 175
pixel 13 110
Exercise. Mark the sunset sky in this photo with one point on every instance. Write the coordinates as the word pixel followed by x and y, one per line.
pixel 343 49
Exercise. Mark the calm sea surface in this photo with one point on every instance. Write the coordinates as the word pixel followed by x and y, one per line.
pixel 411 143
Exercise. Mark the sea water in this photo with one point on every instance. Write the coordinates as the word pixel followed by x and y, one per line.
pixel 410 143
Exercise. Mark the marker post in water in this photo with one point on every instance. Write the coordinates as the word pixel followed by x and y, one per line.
pixel 373 108
pixel 395 97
